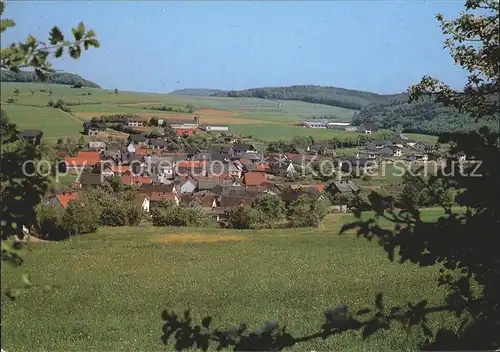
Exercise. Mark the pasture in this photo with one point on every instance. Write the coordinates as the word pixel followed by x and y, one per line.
pixel 53 122
pixel 108 289
pixel 263 119
pixel 286 132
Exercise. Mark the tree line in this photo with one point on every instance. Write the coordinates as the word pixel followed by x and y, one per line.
pixel 54 77
pixel 344 98
pixel 425 116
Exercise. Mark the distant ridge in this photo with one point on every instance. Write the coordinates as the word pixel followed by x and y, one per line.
pixel 196 92
pixel 334 96
pixel 56 78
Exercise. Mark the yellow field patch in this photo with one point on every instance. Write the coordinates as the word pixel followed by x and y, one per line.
pixel 214 112
pixel 196 238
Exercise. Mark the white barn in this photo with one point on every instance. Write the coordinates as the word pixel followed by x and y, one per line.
pixel 213 128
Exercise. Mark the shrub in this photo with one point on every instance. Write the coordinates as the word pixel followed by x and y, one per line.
pixel 81 217
pixel 169 214
pixel 242 217
pixel 49 221
pixel 307 212
pixel 270 208
pixel 114 216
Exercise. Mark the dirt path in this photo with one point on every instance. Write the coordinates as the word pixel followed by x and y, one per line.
pixel 72 116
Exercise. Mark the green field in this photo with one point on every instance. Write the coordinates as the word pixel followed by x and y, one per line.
pixel 263 119
pixel 109 288
pixel 273 132
pixel 102 96
pixel 53 122
pixel 422 137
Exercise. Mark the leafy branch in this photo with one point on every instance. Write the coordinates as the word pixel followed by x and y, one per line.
pixel 33 53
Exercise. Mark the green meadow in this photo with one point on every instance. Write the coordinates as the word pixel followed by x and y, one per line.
pixel 53 122
pixel 108 289
pixel 263 119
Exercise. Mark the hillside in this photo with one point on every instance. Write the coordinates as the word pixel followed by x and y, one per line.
pixel 340 97
pixel 56 78
pixel 196 92
pixel 419 117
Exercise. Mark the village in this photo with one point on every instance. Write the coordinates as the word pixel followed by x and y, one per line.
pixel 227 174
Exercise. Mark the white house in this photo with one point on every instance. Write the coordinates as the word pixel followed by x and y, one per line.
pixel 97 145
pixel 368 128
pixel 184 125
pixel 338 125
pixel 313 124
pixel 143 201
pixel 134 122
pixel 187 186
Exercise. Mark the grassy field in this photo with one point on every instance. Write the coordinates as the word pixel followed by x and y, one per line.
pixel 110 287
pixel 422 137
pixel 101 96
pixel 286 132
pixel 53 122
pixel 263 119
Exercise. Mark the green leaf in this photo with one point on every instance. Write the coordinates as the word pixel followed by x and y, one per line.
pixel 91 42
pixel 90 33
pixel 6 23
pixel 59 52
pixel 31 41
pixel 76 34
pixel 81 28
pixel 56 36
pixel 74 52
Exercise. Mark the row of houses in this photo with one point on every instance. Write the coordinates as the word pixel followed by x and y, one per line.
pixel 182 128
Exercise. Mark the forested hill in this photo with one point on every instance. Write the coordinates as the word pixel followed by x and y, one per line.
pixel 196 92
pixel 56 78
pixel 344 98
pixel 420 117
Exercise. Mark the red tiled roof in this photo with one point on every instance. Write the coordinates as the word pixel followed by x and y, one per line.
pixel 300 156
pixel 217 177
pixel 120 168
pixel 65 198
pixel 158 196
pixel 142 179
pixel 83 158
pixel 76 161
pixel 141 151
pixel 181 131
pixel 89 155
pixel 252 178
pixel 191 163
pixel 320 187
pixel 128 179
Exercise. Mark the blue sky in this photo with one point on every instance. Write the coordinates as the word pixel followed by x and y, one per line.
pixel 379 46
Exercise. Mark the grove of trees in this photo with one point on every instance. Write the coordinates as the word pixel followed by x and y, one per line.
pixel 53 77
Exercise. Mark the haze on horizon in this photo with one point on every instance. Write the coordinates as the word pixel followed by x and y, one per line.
pixel 381 46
